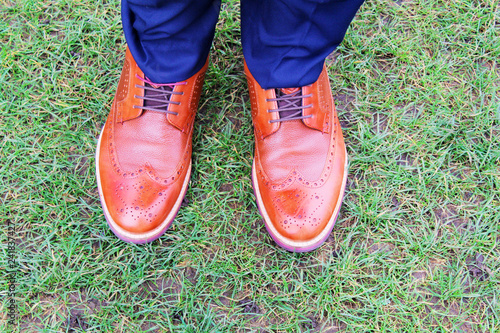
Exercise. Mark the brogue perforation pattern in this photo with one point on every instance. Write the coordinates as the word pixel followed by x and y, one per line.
pixel 123 85
pixel 138 209
pixel 198 84
pixel 299 218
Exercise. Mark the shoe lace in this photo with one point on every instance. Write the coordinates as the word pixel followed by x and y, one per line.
pixel 157 95
pixel 289 105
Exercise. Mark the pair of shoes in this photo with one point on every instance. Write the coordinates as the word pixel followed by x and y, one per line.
pixel 143 159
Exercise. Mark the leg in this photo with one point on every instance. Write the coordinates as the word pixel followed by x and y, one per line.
pixel 285 42
pixel 169 39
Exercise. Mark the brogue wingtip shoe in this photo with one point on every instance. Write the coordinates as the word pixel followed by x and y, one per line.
pixel 143 157
pixel 299 171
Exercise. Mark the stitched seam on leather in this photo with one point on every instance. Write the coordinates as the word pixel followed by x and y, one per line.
pixel 254 107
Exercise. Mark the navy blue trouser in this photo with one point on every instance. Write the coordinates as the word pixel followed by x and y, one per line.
pixel 285 42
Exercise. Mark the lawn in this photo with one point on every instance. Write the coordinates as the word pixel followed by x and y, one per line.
pixel 417 244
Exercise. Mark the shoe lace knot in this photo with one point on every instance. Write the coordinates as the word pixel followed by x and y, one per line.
pixel 157 95
pixel 290 104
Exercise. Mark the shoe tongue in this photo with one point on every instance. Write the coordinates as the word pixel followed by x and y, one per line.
pixel 283 104
pixel 155 94
pixel 150 83
pixel 287 91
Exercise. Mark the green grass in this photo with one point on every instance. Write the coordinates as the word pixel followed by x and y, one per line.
pixel 416 247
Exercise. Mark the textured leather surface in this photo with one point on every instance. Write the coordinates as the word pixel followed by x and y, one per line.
pixel 260 106
pixel 144 155
pixel 323 103
pixel 300 164
pixel 125 93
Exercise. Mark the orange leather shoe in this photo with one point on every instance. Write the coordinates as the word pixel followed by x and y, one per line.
pixel 300 166
pixel 143 159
